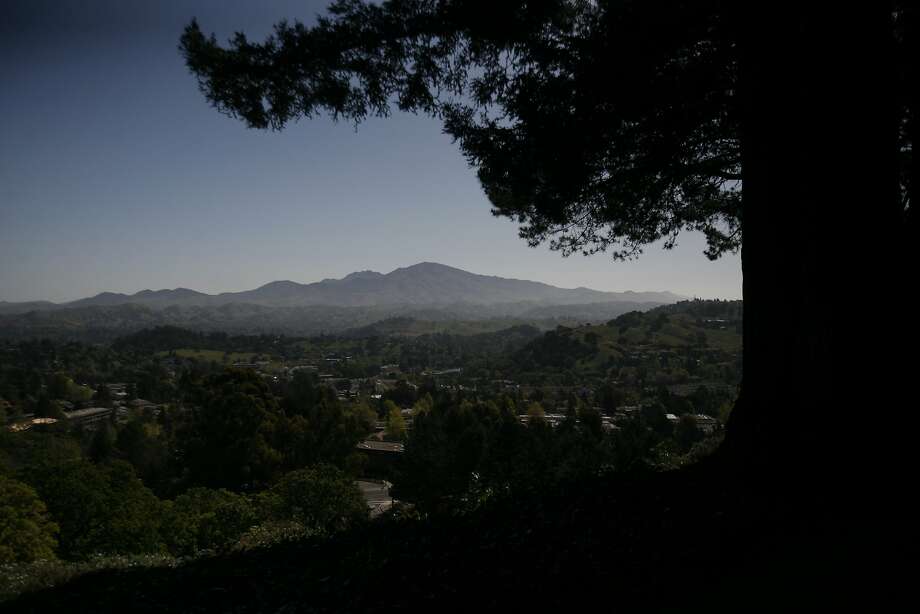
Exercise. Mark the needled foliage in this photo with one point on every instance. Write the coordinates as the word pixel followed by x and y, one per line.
pixel 595 125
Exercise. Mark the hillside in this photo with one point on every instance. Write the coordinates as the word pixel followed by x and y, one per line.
pixel 664 338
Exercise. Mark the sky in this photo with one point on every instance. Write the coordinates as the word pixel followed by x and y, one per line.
pixel 116 175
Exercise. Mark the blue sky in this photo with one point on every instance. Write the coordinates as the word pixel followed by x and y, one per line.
pixel 115 174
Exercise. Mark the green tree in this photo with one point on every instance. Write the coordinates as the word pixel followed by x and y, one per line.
pixel 396 424
pixel 79 394
pixel 449 447
pixel 364 416
pixel 611 396
pixel 229 441
pixel 26 532
pixel 322 498
pixel 536 412
pixel 655 416
pixel 632 446
pixel 28 453
pixel 103 396
pixel 432 469
pixel 45 407
pixel 388 407
pixel 102 444
pixel 205 519
pixel 319 429
pixel 146 447
pixel 135 513
pixel 99 509
pixel 424 404
pixel 591 422
pixel 59 386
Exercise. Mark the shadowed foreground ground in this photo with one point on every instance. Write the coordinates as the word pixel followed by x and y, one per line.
pixel 681 541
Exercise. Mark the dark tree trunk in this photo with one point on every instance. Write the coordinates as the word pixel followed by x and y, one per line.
pixel 821 261
pixel 910 92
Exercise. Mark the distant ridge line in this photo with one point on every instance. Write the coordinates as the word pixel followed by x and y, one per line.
pixel 425 283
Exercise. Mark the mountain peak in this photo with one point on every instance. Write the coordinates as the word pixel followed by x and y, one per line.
pixel 429 267
pixel 363 275
pixel 280 283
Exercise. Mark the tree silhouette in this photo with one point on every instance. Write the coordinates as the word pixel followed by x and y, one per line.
pixel 606 126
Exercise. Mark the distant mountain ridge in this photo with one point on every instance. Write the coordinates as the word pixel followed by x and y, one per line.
pixel 423 284
pixel 425 292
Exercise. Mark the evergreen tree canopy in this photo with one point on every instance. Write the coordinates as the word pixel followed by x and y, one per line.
pixel 595 125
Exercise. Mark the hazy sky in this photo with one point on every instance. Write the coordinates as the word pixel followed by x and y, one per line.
pixel 115 174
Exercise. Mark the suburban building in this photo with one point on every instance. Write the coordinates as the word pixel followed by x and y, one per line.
pixel 90 416
pixel 381 457
pixel 705 423
pixel 27 424
pixel 389 447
